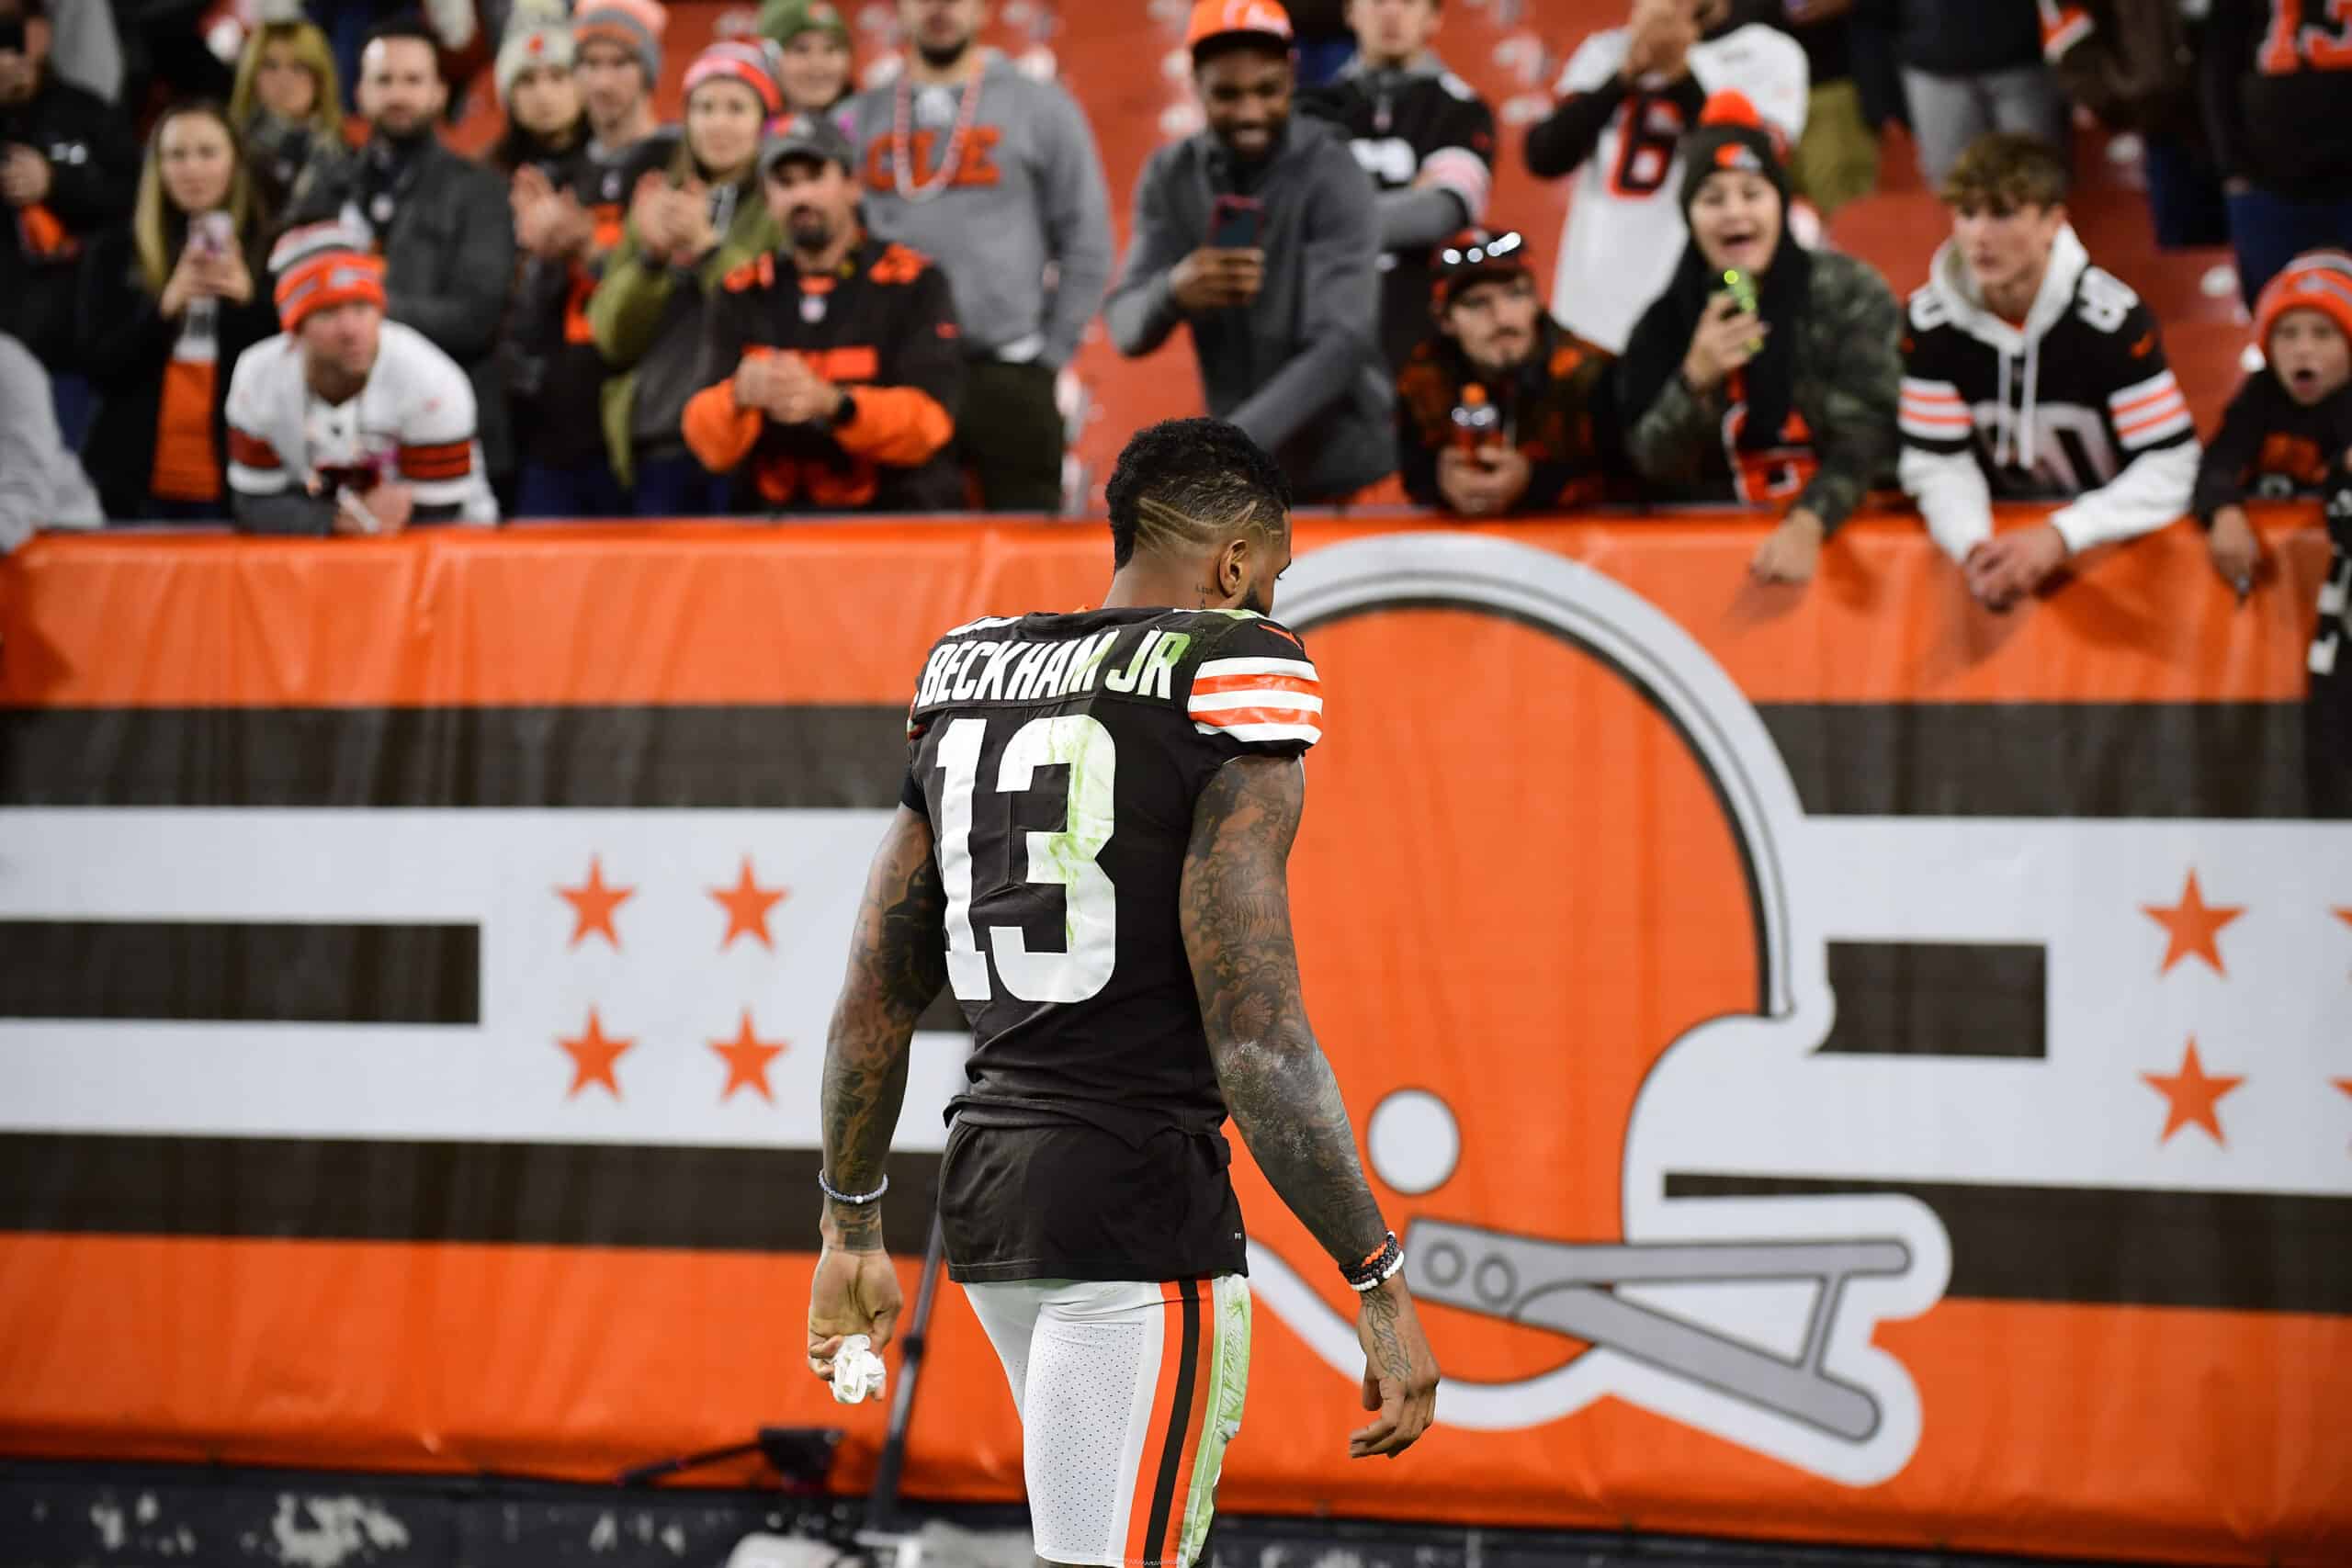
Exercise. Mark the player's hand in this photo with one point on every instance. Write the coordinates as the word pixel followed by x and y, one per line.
pixel 1793 550
pixel 853 1292
pixel 1727 337
pixel 1214 279
pixel 1400 1375
pixel 2235 549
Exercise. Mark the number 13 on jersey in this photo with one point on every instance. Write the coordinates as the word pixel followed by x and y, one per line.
pixel 1066 857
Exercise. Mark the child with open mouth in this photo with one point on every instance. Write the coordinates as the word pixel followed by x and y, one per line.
pixel 2290 420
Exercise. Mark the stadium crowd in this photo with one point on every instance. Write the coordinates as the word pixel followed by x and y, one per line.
pixel 808 298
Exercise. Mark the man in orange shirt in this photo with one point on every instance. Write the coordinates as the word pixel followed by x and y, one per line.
pixel 831 370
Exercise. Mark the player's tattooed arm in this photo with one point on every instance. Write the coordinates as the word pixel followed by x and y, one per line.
pixel 1235 911
pixel 898 961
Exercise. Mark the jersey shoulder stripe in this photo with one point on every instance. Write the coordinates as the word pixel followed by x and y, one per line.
pixel 1258 698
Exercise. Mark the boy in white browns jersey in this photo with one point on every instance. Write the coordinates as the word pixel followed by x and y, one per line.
pixel 1626 97
pixel 2028 373
pixel 346 423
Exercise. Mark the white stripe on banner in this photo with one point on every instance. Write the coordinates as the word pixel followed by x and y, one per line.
pixel 675 984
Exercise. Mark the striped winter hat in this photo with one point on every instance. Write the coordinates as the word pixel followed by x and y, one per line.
pixel 635 25
pixel 321 265
pixel 751 61
pixel 2316 280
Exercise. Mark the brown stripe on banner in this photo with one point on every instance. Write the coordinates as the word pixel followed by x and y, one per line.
pixel 2112 1246
pixel 241 972
pixel 712 758
pixel 2170 759
pixel 411 1190
pixel 1934 999
pixel 2145 760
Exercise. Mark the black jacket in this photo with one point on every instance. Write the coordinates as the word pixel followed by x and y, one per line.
pixel 126 343
pixel 449 259
pixel 2270 446
pixel 2276 115
pixel 93 169
pixel 887 335
pixel 1961 38
pixel 1560 410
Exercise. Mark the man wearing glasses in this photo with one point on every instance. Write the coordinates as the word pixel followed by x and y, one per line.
pixel 1501 408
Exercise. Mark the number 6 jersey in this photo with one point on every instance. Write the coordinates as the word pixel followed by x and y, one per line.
pixel 1058 760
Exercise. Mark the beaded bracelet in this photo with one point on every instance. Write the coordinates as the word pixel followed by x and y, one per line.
pixel 853 1199
pixel 1378 1268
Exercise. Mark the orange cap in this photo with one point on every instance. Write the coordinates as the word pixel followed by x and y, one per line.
pixel 1212 18
pixel 2316 280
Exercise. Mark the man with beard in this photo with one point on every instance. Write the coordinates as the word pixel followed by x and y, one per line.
pixel 1426 140
pixel 1626 97
pixel 346 423
pixel 67 170
pixel 1552 436
pixel 1262 233
pixel 567 221
pixel 831 372
pixel 996 175
pixel 440 221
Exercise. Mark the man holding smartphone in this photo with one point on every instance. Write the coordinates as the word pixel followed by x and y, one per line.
pixel 1262 233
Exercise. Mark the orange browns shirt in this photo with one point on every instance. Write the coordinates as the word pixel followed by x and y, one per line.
pixel 881 326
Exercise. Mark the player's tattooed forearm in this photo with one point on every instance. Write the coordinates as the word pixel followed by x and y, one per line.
pixel 1379 1319
pixel 898 962
pixel 1235 913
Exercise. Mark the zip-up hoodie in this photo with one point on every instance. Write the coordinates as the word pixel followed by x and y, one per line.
pixel 2076 403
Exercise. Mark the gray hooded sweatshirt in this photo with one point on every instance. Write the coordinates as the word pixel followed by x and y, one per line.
pixel 1298 368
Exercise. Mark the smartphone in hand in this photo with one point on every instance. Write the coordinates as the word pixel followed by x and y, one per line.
pixel 212 233
pixel 1234 222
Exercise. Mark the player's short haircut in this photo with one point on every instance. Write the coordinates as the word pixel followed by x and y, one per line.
pixel 406 25
pixel 28 11
pixel 2004 170
pixel 1184 484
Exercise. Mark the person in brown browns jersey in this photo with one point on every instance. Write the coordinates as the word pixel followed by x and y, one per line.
pixel 831 370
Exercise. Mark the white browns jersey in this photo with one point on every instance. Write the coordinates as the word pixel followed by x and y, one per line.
pixel 1625 229
pixel 413 422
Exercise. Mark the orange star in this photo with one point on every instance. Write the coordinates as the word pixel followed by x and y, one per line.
pixel 2192 1096
pixel 593 904
pixel 2191 925
pixel 747 905
pixel 592 1056
pixel 747 1058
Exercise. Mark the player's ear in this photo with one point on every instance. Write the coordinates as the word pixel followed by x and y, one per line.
pixel 1233 566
